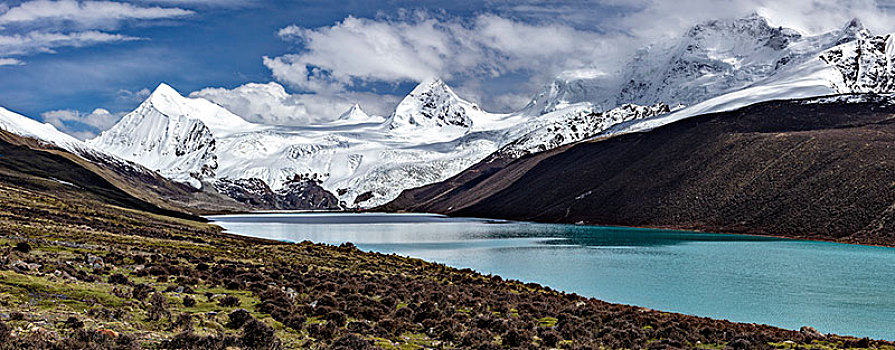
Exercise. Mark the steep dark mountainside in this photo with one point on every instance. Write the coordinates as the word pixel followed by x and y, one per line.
pixel 79 270
pixel 44 169
pixel 304 194
pixel 819 169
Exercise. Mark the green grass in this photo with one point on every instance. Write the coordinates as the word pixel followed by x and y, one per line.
pixel 42 292
pixel 547 321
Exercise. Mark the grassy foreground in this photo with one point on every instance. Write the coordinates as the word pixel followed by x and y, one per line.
pixel 76 273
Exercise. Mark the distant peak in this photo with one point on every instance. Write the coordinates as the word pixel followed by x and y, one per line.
pixel 431 84
pixel 753 22
pixel 852 31
pixel 853 25
pixel 354 113
pixel 754 16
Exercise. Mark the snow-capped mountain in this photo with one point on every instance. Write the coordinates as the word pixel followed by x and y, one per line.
pixel 433 133
pixel 575 124
pixel 173 135
pixel 23 126
pixel 130 177
pixel 363 160
pixel 355 115
pixel 850 60
pixel 432 109
pixel 49 136
pixel 712 58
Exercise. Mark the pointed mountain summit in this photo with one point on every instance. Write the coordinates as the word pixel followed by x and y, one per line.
pixel 852 31
pixel 433 106
pixel 172 134
pixel 355 115
pixel 222 122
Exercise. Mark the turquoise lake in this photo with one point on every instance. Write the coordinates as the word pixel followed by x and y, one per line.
pixel 836 288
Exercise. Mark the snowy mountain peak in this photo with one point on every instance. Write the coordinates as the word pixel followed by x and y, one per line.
pixel 852 30
pixel 164 91
pixel 174 135
pixel 431 84
pixel 713 58
pixel 433 105
pixel 753 24
pixel 168 102
pixel 354 114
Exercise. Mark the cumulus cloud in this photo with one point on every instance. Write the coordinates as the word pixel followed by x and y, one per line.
pixel 271 104
pixel 653 19
pixel 81 125
pixel 366 50
pixel 85 14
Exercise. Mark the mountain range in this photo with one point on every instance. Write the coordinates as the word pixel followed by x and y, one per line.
pixel 817 168
pixel 364 161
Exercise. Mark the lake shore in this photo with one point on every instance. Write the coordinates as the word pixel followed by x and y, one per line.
pixel 627 265
pixel 135 272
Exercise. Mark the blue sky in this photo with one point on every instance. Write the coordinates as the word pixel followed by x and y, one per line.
pixel 61 60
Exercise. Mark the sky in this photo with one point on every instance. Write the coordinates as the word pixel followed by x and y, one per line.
pixel 80 65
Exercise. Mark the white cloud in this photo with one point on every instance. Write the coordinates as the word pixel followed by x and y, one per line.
pixel 207 3
pixel 358 49
pixel 41 26
pixel 134 96
pixel 81 125
pixel 85 14
pixel 271 104
pixel 5 61
pixel 43 42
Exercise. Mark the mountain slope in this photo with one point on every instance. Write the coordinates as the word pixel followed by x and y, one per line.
pixel 818 169
pixel 173 135
pixel 858 63
pixel 126 176
pixel 37 169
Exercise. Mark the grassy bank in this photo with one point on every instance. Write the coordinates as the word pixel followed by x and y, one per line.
pixel 78 273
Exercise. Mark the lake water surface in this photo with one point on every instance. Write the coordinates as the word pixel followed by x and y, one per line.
pixel 836 288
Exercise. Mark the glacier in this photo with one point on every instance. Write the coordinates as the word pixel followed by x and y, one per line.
pixel 364 160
